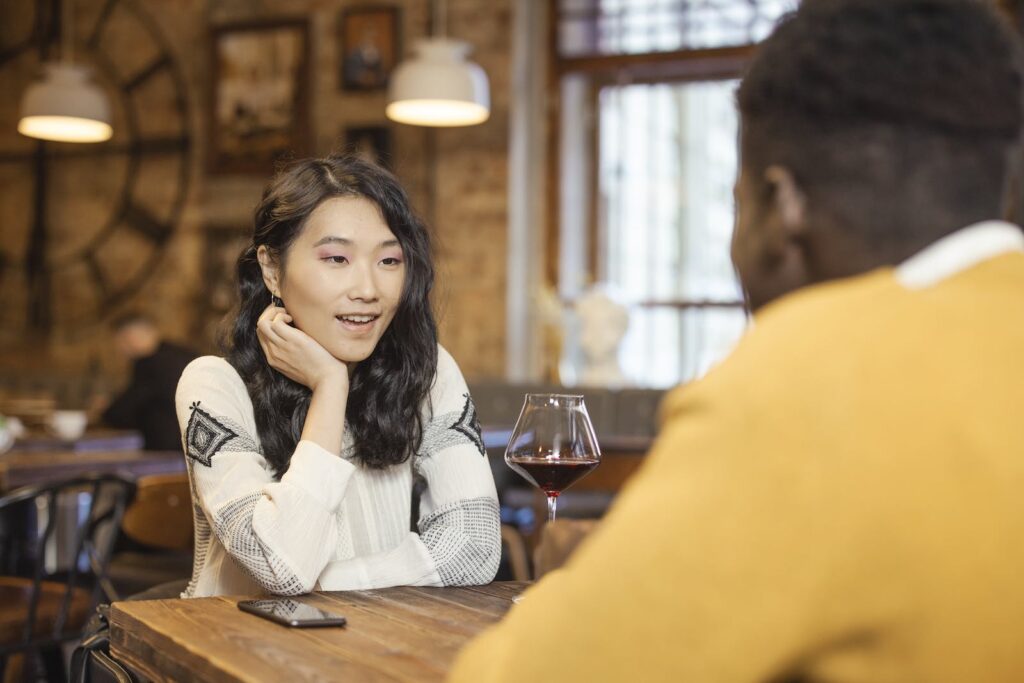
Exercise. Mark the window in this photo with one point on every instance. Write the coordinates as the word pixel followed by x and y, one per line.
pixel 615 27
pixel 645 183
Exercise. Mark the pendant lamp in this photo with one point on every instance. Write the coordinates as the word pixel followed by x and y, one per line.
pixel 65 105
pixel 439 86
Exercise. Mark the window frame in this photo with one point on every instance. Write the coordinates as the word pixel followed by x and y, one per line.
pixel 678 66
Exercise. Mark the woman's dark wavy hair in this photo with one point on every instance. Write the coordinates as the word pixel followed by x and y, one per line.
pixel 387 389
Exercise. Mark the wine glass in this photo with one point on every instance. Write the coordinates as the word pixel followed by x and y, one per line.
pixel 553 444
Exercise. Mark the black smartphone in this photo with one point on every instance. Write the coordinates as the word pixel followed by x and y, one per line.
pixel 291 612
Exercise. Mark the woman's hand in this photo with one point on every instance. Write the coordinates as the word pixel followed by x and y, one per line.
pixel 294 353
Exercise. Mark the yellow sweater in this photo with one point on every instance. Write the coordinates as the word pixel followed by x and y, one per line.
pixel 841 500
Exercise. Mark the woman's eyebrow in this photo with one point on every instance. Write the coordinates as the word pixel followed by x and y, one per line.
pixel 331 239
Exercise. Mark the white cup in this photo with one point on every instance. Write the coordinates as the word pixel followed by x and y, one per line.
pixel 6 438
pixel 69 424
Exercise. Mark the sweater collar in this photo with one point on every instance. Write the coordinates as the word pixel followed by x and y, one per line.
pixel 959 251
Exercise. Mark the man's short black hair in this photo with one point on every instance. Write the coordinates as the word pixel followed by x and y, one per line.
pixel 131 318
pixel 897 117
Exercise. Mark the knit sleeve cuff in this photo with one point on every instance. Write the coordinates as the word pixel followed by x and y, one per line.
pixel 407 564
pixel 320 473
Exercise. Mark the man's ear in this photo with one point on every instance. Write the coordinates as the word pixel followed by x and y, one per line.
pixel 790 201
pixel 783 250
pixel 270 268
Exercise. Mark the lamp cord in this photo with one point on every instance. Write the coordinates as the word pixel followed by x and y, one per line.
pixel 440 18
pixel 67 32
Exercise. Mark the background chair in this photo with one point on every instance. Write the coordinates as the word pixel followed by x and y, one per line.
pixel 558 540
pixel 43 606
pixel 156 546
pixel 514 546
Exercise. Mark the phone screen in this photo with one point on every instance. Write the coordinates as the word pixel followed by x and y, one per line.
pixel 291 612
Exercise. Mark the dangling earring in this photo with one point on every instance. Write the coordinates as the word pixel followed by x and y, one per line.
pixel 276 301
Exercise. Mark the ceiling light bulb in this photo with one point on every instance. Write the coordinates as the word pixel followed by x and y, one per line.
pixel 65 106
pixel 438 86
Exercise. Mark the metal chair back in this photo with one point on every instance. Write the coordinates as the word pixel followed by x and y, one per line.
pixel 36 586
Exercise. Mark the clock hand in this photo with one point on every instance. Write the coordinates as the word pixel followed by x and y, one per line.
pixel 39 312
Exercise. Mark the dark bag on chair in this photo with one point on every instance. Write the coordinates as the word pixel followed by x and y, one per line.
pixel 91 661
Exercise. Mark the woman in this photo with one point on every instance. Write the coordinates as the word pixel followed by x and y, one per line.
pixel 334 322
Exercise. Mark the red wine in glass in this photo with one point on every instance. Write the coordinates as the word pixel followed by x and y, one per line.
pixel 553 475
pixel 553 444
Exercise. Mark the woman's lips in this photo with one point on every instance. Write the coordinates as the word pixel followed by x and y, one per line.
pixel 358 324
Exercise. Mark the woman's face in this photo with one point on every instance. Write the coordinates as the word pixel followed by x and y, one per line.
pixel 342 277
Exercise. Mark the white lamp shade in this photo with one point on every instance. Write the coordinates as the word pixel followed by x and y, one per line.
pixel 439 87
pixel 66 107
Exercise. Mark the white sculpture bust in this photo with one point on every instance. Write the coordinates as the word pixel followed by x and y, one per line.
pixel 603 324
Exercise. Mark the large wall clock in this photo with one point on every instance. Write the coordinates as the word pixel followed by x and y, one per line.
pixel 83 226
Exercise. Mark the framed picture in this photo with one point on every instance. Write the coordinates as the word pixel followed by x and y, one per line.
pixel 259 99
pixel 368 40
pixel 372 143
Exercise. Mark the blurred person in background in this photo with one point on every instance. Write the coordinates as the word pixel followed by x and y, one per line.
pixel 147 403
pixel 839 500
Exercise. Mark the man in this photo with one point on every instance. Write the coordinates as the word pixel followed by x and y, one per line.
pixel 147 404
pixel 841 499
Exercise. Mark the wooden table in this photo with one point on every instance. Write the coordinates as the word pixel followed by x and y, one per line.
pixel 18 468
pixel 395 634
pixel 94 439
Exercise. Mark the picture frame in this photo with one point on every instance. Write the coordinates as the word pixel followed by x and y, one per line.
pixel 368 47
pixel 372 143
pixel 258 105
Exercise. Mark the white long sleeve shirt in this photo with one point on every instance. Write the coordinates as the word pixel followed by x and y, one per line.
pixel 330 523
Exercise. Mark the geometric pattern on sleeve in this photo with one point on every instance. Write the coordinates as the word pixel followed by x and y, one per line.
pixel 464 540
pixel 205 436
pixel 468 424
pixel 456 428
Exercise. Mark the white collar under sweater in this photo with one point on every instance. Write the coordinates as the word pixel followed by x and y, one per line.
pixel 959 251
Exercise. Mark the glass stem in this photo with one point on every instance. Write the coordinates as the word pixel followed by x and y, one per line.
pixel 552 504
